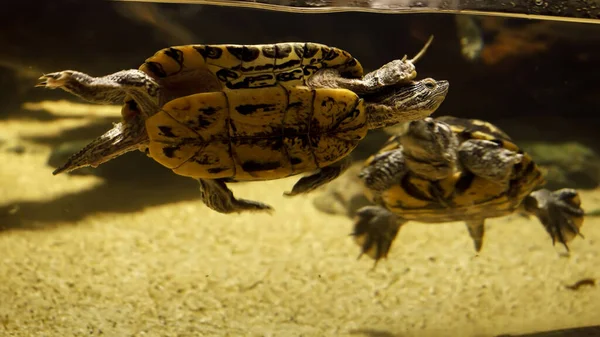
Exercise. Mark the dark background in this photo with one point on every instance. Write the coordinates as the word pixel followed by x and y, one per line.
pixel 101 37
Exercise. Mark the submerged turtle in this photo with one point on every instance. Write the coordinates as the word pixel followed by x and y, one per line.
pixel 226 113
pixel 452 169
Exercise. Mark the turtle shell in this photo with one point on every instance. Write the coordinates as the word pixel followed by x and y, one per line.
pixel 256 133
pixel 243 112
pixel 191 69
pixel 463 195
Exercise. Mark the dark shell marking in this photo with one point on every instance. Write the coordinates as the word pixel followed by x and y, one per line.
pixel 256 134
pixel 465 128
pixel 250 66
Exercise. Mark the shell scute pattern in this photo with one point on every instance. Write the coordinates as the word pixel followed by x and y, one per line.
pixel 190 135
pixel 289 131
pixel 257 159
pixel 299 112
pixel 474 128
pixel 249 66
pixel 248 134
pixel 300 152
pixel 209 160
pixel 337 124
pixel 257 113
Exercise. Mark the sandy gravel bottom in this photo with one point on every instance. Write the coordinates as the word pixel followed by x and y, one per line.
pixel 83 256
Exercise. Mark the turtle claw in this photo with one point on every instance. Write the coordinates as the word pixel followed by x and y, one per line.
pixel 53 80
pixel 42 84
pixel 375 229
pixel 559 212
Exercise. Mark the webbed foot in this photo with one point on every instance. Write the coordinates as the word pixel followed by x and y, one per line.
pixel 559 212
pixel 54 80
pixel 375 229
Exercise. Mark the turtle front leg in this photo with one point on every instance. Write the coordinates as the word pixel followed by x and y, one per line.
pixel 321 177
pixel 216 195
pixel 375 229
pixel 391 73
pixel 559 212
pixel 488 160
pixel 385 170
pixel 109 89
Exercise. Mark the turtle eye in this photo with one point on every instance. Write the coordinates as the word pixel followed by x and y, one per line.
pixel 430 85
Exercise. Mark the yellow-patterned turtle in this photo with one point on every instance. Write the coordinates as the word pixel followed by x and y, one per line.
pixel 225 113
pixel 453 169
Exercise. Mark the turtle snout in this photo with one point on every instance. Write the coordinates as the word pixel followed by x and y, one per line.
pixel 423 128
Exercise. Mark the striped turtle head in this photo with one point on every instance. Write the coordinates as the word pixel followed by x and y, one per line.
pixel 430 148
pixel 406 102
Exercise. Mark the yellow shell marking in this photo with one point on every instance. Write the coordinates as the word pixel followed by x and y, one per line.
pixel 256 133
pixel 296 126
pixel 250 66
pixel 256 120
pixel 339 114
pixel 481 197
pixel 190 136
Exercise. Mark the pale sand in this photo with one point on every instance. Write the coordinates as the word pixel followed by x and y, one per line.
pixel 179 269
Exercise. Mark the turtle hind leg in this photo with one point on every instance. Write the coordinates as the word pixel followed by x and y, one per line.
pixel 321 177
pixel 109 89
pixel 217 196
pixel 392 73
pixel 559 212
pixel 395 72
pixel 375 229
